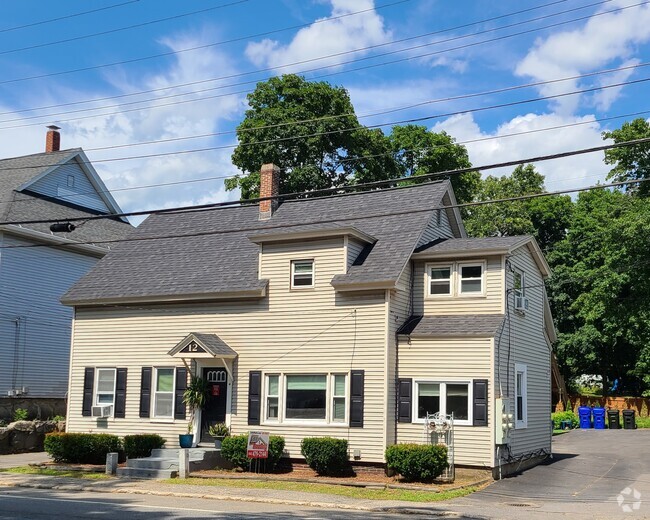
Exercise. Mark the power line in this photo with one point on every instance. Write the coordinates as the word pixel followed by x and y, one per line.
pixel 218 177
pixel 74 15
pixel 343 130
pixel 336 191
pixel 120 29
pixel 204 98
pixel 214 44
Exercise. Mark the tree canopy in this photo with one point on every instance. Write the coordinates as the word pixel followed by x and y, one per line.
pixel 630 162
pixel 310 130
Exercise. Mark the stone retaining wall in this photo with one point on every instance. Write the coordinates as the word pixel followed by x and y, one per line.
pixel 26 436
pixel 37 407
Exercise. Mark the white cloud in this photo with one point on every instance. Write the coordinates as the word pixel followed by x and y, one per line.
pixel 324 39
pixel 602 40
pixel 572 172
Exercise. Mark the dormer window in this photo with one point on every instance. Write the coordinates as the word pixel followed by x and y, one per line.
pixel 440 280
pixel 470 278
pixel 302 274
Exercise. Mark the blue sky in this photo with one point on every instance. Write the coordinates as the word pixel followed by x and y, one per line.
pixel 439 50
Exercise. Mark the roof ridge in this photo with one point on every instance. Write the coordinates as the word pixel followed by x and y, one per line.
pixel 67 150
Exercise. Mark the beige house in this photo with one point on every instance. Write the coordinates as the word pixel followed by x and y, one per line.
pixel 350 316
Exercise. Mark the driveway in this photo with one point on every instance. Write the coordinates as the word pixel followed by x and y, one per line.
pixel 22 459
pixel 588 472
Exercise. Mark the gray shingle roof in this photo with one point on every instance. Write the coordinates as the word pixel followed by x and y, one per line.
pixel 464 245
pixel 18 206
pixel 214 255
pixel 479 325
pixel 212 343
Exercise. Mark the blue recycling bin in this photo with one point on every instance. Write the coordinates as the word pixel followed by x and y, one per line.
pixel 584 414
pixel 599 418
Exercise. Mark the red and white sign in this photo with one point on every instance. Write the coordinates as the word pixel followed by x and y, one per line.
pixel 258 445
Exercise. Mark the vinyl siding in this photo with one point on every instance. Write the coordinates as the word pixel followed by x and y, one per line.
pixel 354 248
pixel 55 184
pixel 528 346
pixel 435 230
pixel 444 360
pixel 34 326
pixel 491 303
pixel 290 331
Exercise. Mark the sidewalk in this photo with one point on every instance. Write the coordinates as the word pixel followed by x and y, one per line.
pixel 269 496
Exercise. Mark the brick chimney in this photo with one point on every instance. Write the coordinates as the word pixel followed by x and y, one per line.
pixel 52 139
pixel 269 187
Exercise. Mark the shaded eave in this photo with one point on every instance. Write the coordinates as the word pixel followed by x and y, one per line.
pixel 258 292
pixel 55 240
pixel 262 238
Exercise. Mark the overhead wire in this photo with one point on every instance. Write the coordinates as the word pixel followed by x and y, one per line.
pixel 68 16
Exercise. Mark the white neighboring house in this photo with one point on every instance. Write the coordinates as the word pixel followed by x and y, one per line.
pixel 342 316
pixel 38 266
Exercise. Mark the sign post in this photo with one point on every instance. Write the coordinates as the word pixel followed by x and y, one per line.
pixel 258 447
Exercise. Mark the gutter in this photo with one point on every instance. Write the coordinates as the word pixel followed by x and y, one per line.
pixel 53 240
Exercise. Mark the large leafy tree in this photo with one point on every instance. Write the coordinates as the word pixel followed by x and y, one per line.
pixel 600 290
pixel 630 162
pixel 418 151
pixel 547 218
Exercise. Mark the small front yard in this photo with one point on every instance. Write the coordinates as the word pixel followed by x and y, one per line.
pixel 329 489
pixel 51 472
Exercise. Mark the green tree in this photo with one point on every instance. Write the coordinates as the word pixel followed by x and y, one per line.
pixel 600 290
pixel 546 218
pixel 630 162
pixel 419 151
pixel 308 129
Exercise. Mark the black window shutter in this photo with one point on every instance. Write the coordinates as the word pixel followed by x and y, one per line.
pixel 254 396
pixel 480 402
pixel 145 392
pixel 356 398
pixel 120 394
pixel 404 400
pixel 181 386
pixel 89 382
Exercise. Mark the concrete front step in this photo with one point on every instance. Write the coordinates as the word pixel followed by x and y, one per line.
pixel 147 473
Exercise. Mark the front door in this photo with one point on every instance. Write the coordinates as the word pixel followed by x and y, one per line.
pixel 214 410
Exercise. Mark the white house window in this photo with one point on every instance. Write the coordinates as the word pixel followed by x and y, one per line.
pixel 521 396
pixel 306 397
pixel 338 398
pixel 164 392
pixel 447 398
pixel 470 279
pixel 272 397
pixel 440 280
pixel 320 398
pixel 302 274
pixel 105 393
pixel 519 288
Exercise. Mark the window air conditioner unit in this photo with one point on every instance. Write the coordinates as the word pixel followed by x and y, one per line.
pixel 521 303
pixel 102 411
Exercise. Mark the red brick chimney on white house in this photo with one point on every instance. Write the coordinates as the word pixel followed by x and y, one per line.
pixel 52 139
pixel 269 187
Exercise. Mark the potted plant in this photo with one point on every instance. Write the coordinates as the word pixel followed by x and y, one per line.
pixel 194 397
pixel 219 431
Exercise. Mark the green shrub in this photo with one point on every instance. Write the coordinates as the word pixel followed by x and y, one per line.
pixel 233 449
pixel 569 415
pixel 20 414
pixel 138 446
pixel 421 462
pixel 325 455
pixel 81 448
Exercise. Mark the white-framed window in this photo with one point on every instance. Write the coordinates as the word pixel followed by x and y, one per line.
pixel 105 387
pixel 521 396
pixel 519 288
pixel 163 399
pixel 445 397
pixel 470 279
pixel 311 398
pixel 272 397
pixel 302 274
pixel 440 279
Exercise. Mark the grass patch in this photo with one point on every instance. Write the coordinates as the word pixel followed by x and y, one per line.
pixel 29 470
pixel 328 489
pixel 560 432
pixel 643 422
